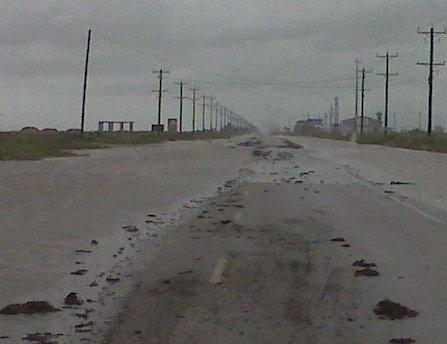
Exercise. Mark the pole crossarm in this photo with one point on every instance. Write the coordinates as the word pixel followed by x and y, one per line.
pixel 432 31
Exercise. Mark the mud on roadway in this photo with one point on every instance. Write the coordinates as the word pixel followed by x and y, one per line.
pixel 256 263
pixel 293 249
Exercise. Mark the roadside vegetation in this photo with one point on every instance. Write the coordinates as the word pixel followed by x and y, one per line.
pixel 415 140
pixel 329 136
pixel 321 135
pixel 38 145
pixel 419 141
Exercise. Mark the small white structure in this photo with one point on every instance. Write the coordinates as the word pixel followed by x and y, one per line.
pixel 352 125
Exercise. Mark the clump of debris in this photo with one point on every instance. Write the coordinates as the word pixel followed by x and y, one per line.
pixel 338 239
pixel 79 272
pixel 31 307
pixel 367 272
pixel 402 341
pixel 387 309
pixel 73 300
pixel 397 182
pixel 361 263
pixel 131 229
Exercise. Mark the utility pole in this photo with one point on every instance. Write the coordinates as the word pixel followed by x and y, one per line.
pixel 224 109
pixel 203 111
pixel 356 89
pixel 225 118
pixel 431 64
pixel 84 93
pixel 387 75
pixel 160 90
pixel 218 111
pixel 194 92
pixel 336 113
pixel 364 72
pixel 181 84
pixel 420 120
pixel 211 99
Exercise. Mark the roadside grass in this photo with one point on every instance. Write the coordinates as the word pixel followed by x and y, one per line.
pixel 418 141
pixel 37 146
pixel 325 135
pixel 330 136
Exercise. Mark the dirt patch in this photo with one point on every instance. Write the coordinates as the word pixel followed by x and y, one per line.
pixel 31 307
pixel 251 142
pixel 361 263
pixel 402 341
pixel 131 229
pixel 387 309
pixel 261 153
pixel 283 156
pixel 305 173
pixel 292 221
pixel 42 337
pixel 368 272
pixel 113 280
pixel 230 183
pixel 289 144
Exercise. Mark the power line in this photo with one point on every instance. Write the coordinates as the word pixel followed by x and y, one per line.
pixel 289 84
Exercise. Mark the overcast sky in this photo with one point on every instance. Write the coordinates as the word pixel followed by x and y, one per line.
pixel 271 61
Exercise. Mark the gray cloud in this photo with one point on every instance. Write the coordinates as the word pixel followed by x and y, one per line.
pixel 270 60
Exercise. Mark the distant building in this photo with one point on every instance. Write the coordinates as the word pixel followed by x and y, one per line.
pixel 439 129
pixel 309 125
pixel 351 125
pixel 30 130
pixel 172 125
